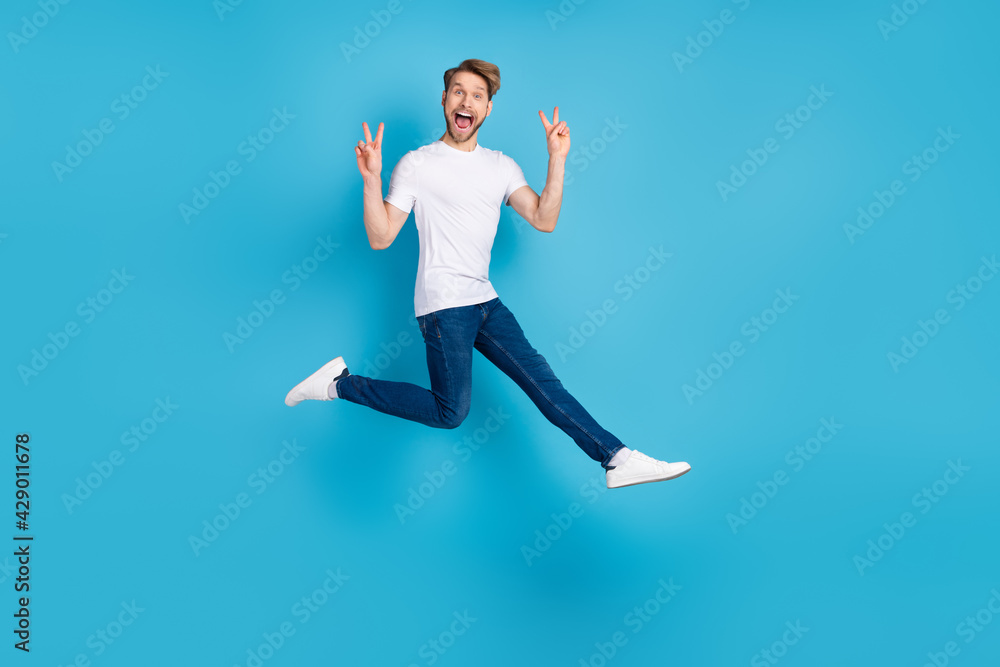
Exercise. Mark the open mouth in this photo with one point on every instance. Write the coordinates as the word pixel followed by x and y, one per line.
pixel 463 121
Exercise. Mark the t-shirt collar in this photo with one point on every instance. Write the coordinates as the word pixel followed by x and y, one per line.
pixel 452 148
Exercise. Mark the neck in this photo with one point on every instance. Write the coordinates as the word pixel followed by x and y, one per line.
pixel 467 146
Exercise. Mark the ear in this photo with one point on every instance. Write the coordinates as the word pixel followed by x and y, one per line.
pixel 489 108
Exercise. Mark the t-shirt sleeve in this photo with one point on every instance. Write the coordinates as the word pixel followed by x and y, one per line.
pixel 515 178
pixel 403 184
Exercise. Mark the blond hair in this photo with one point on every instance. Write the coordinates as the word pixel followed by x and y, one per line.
pixel 488 71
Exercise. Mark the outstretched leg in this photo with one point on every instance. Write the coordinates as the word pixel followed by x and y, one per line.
pixel 448 335
pixel 501 340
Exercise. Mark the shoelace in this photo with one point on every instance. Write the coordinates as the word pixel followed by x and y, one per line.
pixel 643 457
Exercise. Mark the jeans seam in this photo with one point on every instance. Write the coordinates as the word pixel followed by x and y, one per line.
pixel 414 413
pixel 542 392
pixel 383 404
pixel 612 455
pixel 447 368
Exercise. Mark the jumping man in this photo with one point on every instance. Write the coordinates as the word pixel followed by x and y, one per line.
pixel 455 188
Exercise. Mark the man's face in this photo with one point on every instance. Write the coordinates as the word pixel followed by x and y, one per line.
pixel 466 96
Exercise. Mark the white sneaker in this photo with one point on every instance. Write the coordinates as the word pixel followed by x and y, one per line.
pixel 639 469
pixel 316 386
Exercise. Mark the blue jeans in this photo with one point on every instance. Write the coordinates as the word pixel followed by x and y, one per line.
pixel 450 334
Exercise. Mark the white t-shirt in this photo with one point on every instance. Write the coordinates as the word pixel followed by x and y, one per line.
pixel 456 198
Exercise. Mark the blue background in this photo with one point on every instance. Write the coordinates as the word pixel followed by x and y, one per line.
pixel 335 505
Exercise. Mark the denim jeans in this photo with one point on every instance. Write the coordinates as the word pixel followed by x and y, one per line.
pixel 450 334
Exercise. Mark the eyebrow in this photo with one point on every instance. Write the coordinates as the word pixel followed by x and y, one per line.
pixel 476 88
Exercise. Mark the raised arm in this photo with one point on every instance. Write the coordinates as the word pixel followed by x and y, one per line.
pixel 382 220
pixel 542 211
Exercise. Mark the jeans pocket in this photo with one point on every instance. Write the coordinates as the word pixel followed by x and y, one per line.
pixel 420 322
pixel 434 321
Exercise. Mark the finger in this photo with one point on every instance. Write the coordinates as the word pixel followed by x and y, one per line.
pixel 378 137
pixel 545 121
pixel 368 134
pixel 555 115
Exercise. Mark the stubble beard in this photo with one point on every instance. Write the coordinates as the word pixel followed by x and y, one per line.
pixel 460 138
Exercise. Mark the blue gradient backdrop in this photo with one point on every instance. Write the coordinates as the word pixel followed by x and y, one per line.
pixel 874 549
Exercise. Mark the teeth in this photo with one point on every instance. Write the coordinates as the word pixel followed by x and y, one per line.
pixel 460 113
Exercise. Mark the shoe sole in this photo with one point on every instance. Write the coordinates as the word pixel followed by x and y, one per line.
pixel 336 360
pixel 645 479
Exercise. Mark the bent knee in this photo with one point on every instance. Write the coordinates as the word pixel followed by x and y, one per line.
pixel 453 418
